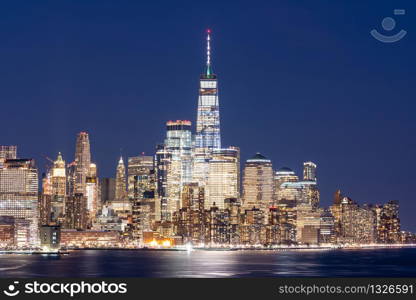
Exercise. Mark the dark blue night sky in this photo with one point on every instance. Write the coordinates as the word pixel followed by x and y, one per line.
pixel 299 80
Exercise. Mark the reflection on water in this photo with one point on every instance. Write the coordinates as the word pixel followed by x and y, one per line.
pixel 208 264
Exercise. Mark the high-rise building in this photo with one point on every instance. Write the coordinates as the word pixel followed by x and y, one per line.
pixel 82 162
pixel 356 224
pixel 327 228
pixel 299 193
pixel 258 183
pixel 140 175
pixel 208 133
pixel 162 167
pixel 309 171
pixel 92 194
pixel 388 229
pixel 223 177
pixel 107 190
pixel 253 229
pixel 121 185
pixel 70 178
pixel 291 192
pixel 19 198
pixel 76 216
pixel 283 175
pixel 142 194
pixel 178 143
pixel 7 152
pixel 308 221
pixel 58 190
pixel 45 199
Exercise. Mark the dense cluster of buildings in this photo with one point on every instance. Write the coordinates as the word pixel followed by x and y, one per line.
pixel 191 191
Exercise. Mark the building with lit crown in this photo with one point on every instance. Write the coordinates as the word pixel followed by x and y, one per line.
pixel 208 132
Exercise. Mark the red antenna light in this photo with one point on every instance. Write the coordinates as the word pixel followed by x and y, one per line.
pixel 208 30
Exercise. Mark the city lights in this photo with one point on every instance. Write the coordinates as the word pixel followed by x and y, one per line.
pixel 190 194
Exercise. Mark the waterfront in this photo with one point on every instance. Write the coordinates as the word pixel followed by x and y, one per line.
pixel 395 262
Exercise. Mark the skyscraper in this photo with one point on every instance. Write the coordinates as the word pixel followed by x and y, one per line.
pixel 162 166
pixel 7 152
pixel 142 194
pixel 82 162
pixel 19 198
pixel 58 190
pixel 208 133
pixel 282 195
pixel 107 190
pixel 292 192
pixel 258 183
pixel 92 194
pixel 140 175
pixel 178 143
pixel 309 171
pixel 223 177
pixel 121 185
pixel 76 212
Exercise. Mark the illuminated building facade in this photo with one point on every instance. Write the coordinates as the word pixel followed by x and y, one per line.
pixel 258 183
pixel 76 216
pixel 388 227
pixel 7 232
pixel 82 162
pixel 309 171
pixel 19 198
pixel 190 219
pixel 223 177
pixel 308 222
pixel 71 238
pixel 50 237
pixel 327 233
pixel 162 167
pixel 356 225
pixel 252 228
pixel 284 175
pixel 208 133
pixel 92 195
pixel 290 191
pixel 7 152
pixel 297 193
pixel 217 226
pixel 140 175
pixel 121 185
pixel 58 191
pixel 178 143
pixel 142 194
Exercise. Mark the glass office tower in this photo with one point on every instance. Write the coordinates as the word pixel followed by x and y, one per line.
pixel 208 134
pixel 178 143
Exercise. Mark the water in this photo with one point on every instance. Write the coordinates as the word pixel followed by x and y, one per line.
pixel 208 264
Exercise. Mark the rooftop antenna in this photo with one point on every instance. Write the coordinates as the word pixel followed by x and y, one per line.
pixel 209 72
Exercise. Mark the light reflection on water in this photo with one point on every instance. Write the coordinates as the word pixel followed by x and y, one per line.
pixel 209 264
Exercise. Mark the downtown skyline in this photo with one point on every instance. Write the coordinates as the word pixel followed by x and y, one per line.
pixel 107 158
pixel 190 192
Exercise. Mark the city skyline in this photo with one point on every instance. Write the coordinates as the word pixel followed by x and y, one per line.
pixel 352 185
pixel 188 193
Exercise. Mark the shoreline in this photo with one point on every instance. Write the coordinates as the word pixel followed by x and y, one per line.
pixel 213 249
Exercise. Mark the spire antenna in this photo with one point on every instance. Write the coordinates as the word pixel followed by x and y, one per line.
pixel 209 51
